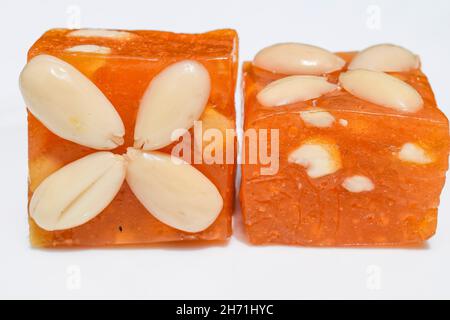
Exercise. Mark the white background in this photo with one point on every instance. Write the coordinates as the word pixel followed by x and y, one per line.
pixel 236 270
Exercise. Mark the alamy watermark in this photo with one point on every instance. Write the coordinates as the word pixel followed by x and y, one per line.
pixel 73 20
pixel 216 146
pixel 374 276
pixel 373 20
pixel 73 277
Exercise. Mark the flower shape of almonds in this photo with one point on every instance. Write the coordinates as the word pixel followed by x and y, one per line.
pixel 72 107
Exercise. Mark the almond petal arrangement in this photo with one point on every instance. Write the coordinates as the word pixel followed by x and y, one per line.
pixel 90 184
pixel 72 107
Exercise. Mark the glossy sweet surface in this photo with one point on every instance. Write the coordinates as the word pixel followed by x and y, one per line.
pixel 375 199
pixel 123 75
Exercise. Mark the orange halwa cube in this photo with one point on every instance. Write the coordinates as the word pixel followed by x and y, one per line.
pixel 386 172
pixel 122 64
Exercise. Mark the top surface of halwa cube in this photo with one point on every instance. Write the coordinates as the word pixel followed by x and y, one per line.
pixel 381 80
pixel 139 43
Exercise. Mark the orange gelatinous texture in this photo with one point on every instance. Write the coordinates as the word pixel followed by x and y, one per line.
pixel 292 208
pixel 123 76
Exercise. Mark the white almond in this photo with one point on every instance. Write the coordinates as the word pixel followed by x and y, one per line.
pixel 411 152
pixel 175 98
pixel 357 184
pixel 317 118
pixel 382 89
pixel 297 58
pixel 319 159
pixel 69 104
pixel 294 89
pixel 89 48
pixel 101 33
pixel 77 192
pixel 173 191
pixel 386 58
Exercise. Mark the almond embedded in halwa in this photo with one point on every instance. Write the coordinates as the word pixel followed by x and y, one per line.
pixel 172 190
pixel 79 191
pixel 216 138
pixel 382 89
pixel 413 153
pixel 174 99
pixel 320 158
pixel 386 58
pixel 358 184
pixel 317 117
pixel 298 58
pixel 101 33
pixel 89 48
pixel 294 89
pixel 69 104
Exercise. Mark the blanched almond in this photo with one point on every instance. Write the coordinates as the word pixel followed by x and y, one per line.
pixel 357 184
pixel 294 89
pixel 69 104
pixel 100 33
pixel 173 191
pixel 77 192
pixel 382 89
pixel 89 48
pixel 297 58
pixel 386 58
pixel 317 117
pixel 175 98
pixel 319 158
pixel 411 152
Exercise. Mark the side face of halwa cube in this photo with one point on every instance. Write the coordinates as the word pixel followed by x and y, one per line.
pixel 122 65
pixel 351 172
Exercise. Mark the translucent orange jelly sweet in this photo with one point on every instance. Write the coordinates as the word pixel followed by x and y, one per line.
pixel 292 208
pixel 123 76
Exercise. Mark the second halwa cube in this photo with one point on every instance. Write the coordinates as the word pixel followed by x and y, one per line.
pixel 363 148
